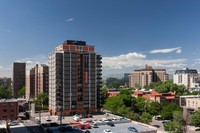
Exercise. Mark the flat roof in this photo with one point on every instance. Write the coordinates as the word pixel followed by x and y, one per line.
pixel 8 100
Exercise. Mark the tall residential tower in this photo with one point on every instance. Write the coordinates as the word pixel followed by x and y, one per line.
pixel 74 78
pixel 37 81
pixel 19 75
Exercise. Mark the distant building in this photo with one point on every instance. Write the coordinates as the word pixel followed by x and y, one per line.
pixel 9 109
pixel 19 76
pixel 164 98
pixel 112 93
pixel 146 76
pixel 191 102
pixel 30 84
pixel 41 79
pixel 126 79
pixel 187 77
pixel 5 82
pixel 37 81
pixel 75 72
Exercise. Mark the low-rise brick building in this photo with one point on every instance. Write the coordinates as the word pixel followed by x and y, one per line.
pixel 9 109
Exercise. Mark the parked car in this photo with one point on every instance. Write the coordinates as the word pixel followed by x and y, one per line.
pixel 81 126
pixel 13 123
pixel 87 126
pixel 107 131
pixel 132 129
pixel 76 119
pixel 48 118
pixel 111 124
pixel 94 125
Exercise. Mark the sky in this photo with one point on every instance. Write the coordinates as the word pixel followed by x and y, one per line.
pixel 127 33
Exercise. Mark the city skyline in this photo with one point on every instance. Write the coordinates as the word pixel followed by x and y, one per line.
pixel 128 34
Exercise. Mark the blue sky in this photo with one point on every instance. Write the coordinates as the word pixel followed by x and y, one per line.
pixel 128 34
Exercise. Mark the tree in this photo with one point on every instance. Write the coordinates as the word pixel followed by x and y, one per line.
pixel 178 121
pixel 41 99
pixel 133 116
pixel 146 118
pixel 195 119
pixel 169 126
pixel 22 92
pixel 167 111
pixel 141 104
pixel 154 108
pixel 104 91
pixel 115 84
pixel 116 105
pixel 5 92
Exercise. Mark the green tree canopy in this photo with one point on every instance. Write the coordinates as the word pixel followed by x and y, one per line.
pixel 195 119
pixel 22 92
pixel 114 84
pixel 169 126
pixel 104 91
pixel 167 111
pixel 5 93
pixel 146 118
pixel 178 121
pixel 164 87
pixel 116 105
pixel 41 99
pixel 154 108
pixel 141 104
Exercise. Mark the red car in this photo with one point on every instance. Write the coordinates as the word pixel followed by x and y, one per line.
pixel 87 126
pixel 89 122
pixel 81 126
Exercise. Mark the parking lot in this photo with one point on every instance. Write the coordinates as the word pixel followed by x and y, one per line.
pixel 120 124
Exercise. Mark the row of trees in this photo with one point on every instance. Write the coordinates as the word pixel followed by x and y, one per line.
pixel 167 86
pixel 6 92
pixel 139 109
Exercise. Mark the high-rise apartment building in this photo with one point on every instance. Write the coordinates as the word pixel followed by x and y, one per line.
pixel 37 81
pixel 41 79
pixel 146 76
pixel 74 78
pixel 187 77
pixel 19 74
pixel 30 84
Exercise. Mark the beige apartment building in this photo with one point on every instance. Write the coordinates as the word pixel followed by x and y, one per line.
pixel 191 102
pixel 37 81
pixel 142 77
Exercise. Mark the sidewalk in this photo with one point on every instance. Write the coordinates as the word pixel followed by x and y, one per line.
pixel 19 129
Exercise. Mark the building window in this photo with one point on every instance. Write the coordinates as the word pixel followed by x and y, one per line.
pixel 12 104
pixel 12 110
pixel 4 110
pixel 4 104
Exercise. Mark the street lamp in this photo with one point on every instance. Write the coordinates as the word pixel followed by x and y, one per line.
pixel 61 110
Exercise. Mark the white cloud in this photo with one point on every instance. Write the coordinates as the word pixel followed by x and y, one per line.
pixel 139 60
pixel 31 62
pixel 70 19
pixel 1 67
pixel 177 50
pixel 118 62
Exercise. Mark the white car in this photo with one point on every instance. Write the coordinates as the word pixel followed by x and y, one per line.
pixel 76 119
pixel 107 131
